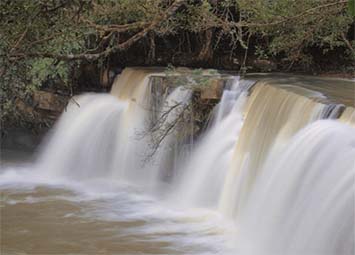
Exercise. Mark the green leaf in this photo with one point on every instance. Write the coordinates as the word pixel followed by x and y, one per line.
pixel 351 7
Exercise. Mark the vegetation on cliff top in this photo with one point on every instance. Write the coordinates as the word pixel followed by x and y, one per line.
pixel 43 43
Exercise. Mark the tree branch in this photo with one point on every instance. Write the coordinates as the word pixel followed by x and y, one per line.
pixel 119 47
pixel 19 40
pixel 348 44
pixel 115 27
pixel 241 24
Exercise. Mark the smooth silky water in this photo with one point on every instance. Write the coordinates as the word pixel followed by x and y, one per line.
pixel 273 173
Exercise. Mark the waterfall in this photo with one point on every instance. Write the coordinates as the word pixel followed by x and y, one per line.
pixel 303 202
pixel 348 116
pixel 276 160
pixel 273 115
pixel 83 142
pixel 103 136
pixel 203 176
pixel 280 172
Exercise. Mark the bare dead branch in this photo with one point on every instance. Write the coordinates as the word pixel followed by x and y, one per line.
pixel 157 125
pixel 166 130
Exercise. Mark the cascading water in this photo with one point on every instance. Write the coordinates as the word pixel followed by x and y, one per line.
pixel 348 116
pixel 273 116
pixel 303 202
pixel 278 188
pixel 99 136
pixel 267 165
pixel 203 176
pixel 90 144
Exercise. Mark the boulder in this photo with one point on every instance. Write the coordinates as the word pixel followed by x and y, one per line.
pixel 48 101
pixel 264 65
pixel 213 91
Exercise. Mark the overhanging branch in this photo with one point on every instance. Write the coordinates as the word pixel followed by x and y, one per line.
pixel 108 51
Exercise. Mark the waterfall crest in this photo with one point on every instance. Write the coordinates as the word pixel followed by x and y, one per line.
pixel 348 116
pixel 273 115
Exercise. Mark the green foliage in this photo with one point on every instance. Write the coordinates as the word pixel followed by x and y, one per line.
pixel 351 7
pixel 30 27
pixel 195 80
pixel 37 37
pixel 289 27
